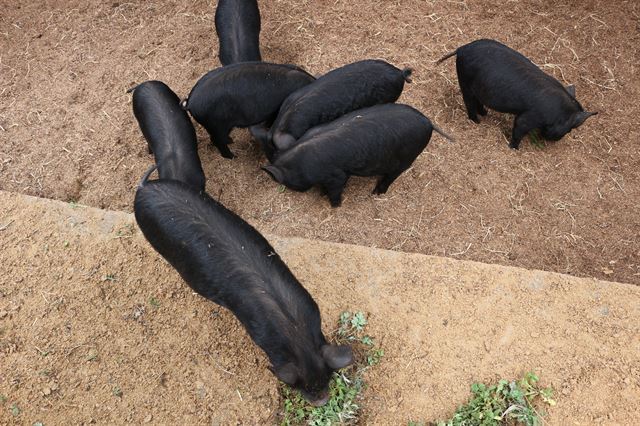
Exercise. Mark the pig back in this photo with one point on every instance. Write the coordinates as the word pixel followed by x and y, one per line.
pixel 364 142
pixel 247 83
pixel 219 255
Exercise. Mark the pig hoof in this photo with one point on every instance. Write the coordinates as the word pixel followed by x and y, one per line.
pixel 227 154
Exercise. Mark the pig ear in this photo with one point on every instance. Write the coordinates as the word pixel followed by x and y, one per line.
pixel 275 173
pixel 571 89
pixel 579 118
pixel 287 373
pixel 337 356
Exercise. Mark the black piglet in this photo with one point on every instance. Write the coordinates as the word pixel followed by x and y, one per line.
pixel 224 259
pixel 169 132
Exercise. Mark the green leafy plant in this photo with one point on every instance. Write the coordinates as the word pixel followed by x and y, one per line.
pixel 117 392
pixel 536 139
pixel 154 302
pixel 508 402
pixel 15 410
pixel 346 385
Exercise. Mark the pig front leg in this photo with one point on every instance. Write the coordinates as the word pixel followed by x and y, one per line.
pixel 522 126
pixel 334 186
pixel 385 181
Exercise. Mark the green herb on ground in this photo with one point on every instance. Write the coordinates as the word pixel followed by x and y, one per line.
pixel 505 403
pixel 347 384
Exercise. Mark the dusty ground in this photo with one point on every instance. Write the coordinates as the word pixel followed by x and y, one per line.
pixel 96 328
pixel 574 207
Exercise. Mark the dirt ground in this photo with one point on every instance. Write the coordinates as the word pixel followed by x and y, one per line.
pixel 96 328
pixel 68 131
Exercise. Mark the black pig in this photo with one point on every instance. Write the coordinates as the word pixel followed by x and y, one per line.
pixel 224 259
pixel 351 87
pixel 381 140
pixel 238 28
pixel 242 95
pixel 169 133
pixel 493 75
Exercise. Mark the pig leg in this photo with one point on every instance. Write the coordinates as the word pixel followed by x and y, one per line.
pixel 220 139
pixel 386 180
pixel 472 104
pixel 334 186
pixel 522 125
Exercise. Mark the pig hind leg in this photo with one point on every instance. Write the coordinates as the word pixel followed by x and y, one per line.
pixel 473 105
pixel 385 181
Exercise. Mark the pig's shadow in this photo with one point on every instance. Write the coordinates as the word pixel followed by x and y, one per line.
pixel 504 121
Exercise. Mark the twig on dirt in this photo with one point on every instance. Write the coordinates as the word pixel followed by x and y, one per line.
pixel 220 367
pixel 592 16
pixel 437 214
pixel 118 163
pixel 502 252
pixel 3 227
pixel 109 119
pixel 597 84
pixel 43 353
pixel 461 252
pixel 618 184
pixel 76 347
pixel 239 396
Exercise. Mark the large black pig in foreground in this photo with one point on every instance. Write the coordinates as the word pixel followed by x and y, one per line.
pixel 169 133
pixel 242 95
pixel 224 259
pixel 381 140
pixel 238 29
pixel 345 89
pixel 493 75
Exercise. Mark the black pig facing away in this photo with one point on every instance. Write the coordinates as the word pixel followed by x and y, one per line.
pixel 493 75
pixel 242 95
pixel 224 259
pixel 169 133
pixel 382 140
pixel 340 91
pixel 238 29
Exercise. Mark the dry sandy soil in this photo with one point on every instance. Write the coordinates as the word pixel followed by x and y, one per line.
pixel 573 207
pixel 96 328
pixel 67 132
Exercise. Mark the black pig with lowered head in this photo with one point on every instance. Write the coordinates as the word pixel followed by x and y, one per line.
pixel 382 140
pixel 224 259
pixel 169 133
pixel 238 29
pixel 340 91
pixel 493 75
pixel 242 95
